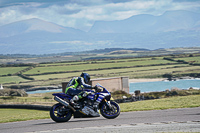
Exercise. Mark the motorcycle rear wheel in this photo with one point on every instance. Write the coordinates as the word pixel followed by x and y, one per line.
pixel 110 113
pixel 58 115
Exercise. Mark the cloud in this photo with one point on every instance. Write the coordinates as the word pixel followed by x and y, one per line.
pixel 82 14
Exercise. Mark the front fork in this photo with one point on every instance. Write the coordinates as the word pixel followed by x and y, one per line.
pixel 108 104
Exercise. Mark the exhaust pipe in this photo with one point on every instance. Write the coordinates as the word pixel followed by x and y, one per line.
pixel 66 104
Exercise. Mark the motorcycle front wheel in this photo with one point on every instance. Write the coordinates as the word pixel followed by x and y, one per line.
pixel 59 113
pixel 110 112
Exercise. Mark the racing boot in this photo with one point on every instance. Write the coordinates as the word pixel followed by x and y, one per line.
pixel 74 100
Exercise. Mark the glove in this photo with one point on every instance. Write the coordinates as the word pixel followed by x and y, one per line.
pixel 94 87
pixel 97 89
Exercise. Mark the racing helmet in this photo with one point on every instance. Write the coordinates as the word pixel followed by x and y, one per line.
pixel 86 77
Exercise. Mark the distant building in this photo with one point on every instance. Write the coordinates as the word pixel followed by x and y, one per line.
pixel 111 84
pixel 1 87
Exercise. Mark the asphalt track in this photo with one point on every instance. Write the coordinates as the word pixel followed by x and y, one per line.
pixel 170 120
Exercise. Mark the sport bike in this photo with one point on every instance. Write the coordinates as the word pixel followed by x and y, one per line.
pixel 85 107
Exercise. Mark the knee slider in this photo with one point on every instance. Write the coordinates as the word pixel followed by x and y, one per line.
pixel 75 98
pixel 85 94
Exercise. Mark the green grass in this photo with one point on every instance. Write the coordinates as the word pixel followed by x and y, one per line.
pixel 81 67
pixel 120 71
pixel 53 76
pixel 11 79
pixel 137 72
pixel 11 115
pixel 10 70
pixel 97 61
pixel 165 103
pixel 32 99
pixel 188 59
pixel 41 82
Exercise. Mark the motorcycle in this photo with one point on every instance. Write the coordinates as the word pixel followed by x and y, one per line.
pixel 64 109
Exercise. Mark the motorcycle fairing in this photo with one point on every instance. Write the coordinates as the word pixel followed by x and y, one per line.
pixel 80 114
pixel 100 98
pixel 91 96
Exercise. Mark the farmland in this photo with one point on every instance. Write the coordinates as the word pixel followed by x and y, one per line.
pixel 10 70
pixel 53 73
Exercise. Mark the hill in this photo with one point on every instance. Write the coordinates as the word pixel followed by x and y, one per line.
pixel 169 21
pixel 35 36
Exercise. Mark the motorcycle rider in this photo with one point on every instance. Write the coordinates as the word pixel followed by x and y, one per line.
pixel 75 88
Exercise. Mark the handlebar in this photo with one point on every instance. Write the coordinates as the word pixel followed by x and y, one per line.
pixel 97 89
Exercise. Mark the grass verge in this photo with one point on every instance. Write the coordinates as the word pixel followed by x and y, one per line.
pixel 11 115
pixel 165 103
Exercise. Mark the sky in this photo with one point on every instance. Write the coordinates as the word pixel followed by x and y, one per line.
pixel 81 14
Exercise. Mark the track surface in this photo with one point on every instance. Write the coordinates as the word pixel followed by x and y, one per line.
pixel 187 119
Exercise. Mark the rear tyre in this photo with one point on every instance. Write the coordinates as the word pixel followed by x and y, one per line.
pixel 60 114
pixel 110 113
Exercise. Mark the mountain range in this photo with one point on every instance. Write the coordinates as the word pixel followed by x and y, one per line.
pixel 36 36
pixel 169 21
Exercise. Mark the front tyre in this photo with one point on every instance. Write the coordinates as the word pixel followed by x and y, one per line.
pixel 60 114
pixel 110 112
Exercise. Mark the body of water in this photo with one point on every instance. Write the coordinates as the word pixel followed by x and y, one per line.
pixel 163 85
pixel 149 86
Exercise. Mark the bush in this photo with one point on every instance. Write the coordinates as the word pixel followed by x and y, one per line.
pixel 47 98
pixel 25 77
pixel 154 95
pixel 168 76
pixel 119 94
pixel 13 92
pixel 7 97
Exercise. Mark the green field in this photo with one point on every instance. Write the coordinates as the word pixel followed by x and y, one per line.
pixel 195 60
pixel 11 115
pixel 144 67
pixel 11 79
pixel 165 103
pixel 10 70
pixel 31 99
pixel 90 65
